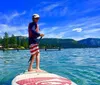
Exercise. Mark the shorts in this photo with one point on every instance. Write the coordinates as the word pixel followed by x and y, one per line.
pixel 34 48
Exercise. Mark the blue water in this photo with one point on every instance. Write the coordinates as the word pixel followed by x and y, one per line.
pixel 80 65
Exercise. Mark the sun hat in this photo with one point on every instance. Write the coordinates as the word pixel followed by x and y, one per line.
pixel 35 16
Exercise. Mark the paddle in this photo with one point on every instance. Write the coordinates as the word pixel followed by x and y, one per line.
pixel 39 39
pixel 31 55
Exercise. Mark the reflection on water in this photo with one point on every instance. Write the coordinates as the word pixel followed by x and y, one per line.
pixel 80 65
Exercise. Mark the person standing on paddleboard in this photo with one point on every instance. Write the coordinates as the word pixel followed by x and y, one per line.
pixel 33 31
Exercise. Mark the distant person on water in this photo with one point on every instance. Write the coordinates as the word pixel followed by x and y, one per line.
pixel 33 31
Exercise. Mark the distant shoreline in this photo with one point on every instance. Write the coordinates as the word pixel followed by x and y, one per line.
pixel 21 43
pixel 48 48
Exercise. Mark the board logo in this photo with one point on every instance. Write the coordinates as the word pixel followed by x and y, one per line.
pixel 44 81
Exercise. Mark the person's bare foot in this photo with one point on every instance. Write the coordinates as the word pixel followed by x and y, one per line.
pixel 39 70
pixel 30 70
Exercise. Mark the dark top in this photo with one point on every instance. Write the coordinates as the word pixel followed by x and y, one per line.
pixel 33 34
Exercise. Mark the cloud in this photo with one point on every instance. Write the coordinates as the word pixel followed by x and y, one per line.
pixel 50 30
pixel 85 11
pixel 53 32
pixel 23 31
pixel 92 30
pixel 55 35
pixel 53 8
pixel 87 27
pixel 10 17
pixel 42 24
pixel 77 29
pixel 50 7
pixel 86 23
pixel 16 30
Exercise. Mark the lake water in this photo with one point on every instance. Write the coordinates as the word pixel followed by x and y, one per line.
pixel 80 65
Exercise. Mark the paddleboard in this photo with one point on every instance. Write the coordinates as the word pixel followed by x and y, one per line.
pixel 40 78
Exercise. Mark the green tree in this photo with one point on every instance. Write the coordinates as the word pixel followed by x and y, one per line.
pixel 5 40
pixel 0 41
pixel 24 43
pixel 13 41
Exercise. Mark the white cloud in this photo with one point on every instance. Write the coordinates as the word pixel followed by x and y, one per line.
pixel 55 35
pixel 87 26
pixel 92 30
pixel 53 8
pixel 8 17
pixel 49 30
pixel 53 32
pixel 16 30
pixel 50 7
pixel 85 23
pixel 77 29
pixel 52 29
pixel 42 24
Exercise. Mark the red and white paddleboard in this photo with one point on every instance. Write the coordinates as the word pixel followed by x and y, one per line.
pixel 40 78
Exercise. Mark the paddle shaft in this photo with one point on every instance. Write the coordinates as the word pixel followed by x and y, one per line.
pixel 39 39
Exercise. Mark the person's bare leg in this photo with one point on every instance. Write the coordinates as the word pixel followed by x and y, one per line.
pixel 37 60
pixel 31 63
pixel 38 63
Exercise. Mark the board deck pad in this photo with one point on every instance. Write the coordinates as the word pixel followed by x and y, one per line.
pixel 40 78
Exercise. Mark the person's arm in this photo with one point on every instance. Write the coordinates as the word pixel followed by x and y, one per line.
pixel 34 31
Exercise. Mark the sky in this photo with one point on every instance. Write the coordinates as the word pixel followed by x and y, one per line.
pixel 75 19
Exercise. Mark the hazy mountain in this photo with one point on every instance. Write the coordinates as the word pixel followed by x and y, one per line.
pixel 91 42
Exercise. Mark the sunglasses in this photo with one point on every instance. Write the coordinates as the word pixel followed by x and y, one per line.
pixel 36 18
